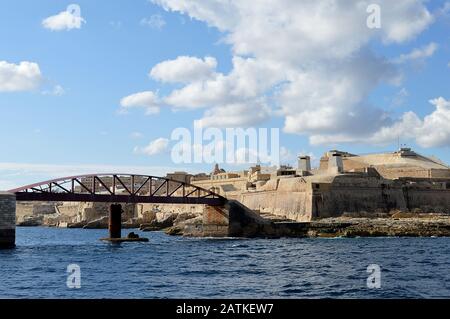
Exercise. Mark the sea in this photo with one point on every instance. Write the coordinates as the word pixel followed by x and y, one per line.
pixel 74 263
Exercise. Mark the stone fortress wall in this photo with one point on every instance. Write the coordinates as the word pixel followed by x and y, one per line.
pixel 343 183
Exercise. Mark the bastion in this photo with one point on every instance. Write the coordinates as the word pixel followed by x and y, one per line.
pixel 343 183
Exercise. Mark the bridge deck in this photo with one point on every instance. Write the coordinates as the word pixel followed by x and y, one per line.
pixel 118 188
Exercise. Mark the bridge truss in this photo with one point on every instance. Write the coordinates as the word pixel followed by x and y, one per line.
pixel 118 188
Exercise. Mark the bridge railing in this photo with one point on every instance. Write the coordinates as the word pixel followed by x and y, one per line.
pixel 118 187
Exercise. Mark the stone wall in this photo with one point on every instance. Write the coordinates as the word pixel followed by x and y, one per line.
pixel 428 200
pixel 353 194
pixel 213 222
pixel 7 220
pixel 285 204
pixel 393 172
pixel 222 186
pixel 147 212
pixel 288 198
pixel 304 199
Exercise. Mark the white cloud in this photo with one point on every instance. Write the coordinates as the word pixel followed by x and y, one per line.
pixel 57 90
pixel 249 79
pixel 403 20
pixel 337 105
pixel 320 28
pixel 418 54
pixel 431 131
pixel 156 21
pixel 25 76
pixel 445 9
pixel 400 97
pixel 311 59
pixel 147 100
pixel 435 129
pixel 158 146
pixel 184 69
pixel 65 20
pixel 235 115
pixel 286 156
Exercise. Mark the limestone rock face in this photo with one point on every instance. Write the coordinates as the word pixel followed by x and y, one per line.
pixel 31 221
pixel 183 217
pixel 100 223
pixel 156 224
pixel 69 214
pixel 76 225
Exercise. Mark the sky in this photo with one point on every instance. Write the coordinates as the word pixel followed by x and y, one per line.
pixel 100 86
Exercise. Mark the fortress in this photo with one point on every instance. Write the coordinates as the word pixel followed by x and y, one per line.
pixel 343 183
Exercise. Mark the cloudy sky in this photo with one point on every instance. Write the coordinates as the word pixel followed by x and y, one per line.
pixel 103 87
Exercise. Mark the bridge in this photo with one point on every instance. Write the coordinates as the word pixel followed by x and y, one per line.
pixel 115 189
pixel 118 188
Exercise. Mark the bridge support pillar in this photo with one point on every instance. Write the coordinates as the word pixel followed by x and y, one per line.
pixel 115 221
pixel 7 220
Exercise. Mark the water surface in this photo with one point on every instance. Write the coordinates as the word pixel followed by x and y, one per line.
pixel 176 267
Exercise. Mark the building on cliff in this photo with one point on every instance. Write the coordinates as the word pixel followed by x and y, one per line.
pixel 343 183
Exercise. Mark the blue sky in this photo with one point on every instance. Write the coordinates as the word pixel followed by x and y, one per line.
pixel 71 120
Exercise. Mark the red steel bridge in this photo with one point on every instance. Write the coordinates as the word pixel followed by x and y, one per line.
pixel 118 188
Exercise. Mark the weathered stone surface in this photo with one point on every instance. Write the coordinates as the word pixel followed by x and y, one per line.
pixel 100 223
pixel 7 220
pixel 243 222
pixel 175 230
pixel 132 223
pixel 182 217
pixel 373 184
pixel 77 225
pixel 156 225
pixel 420 226
pixel 31 221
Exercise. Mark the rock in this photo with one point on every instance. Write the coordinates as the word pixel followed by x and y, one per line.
pixel 182 217
pixel 148 217
pixel 77 224
pixel 158 225
pixel 30 222
pixel 149 228
pixel 167 221
pixel 132 223
pixel 100 223
pixel 174 231
pixel 132 235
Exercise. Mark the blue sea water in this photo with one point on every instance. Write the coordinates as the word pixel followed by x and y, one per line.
pixel 176 267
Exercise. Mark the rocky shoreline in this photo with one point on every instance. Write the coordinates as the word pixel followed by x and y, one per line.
pixel 436 226
pixel 397 224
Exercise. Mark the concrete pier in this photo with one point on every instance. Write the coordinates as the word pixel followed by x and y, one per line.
pixel 7 220
pixel 115 227
pixel 115 221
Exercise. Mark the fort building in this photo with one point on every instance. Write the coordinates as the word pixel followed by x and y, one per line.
pixel 343 183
